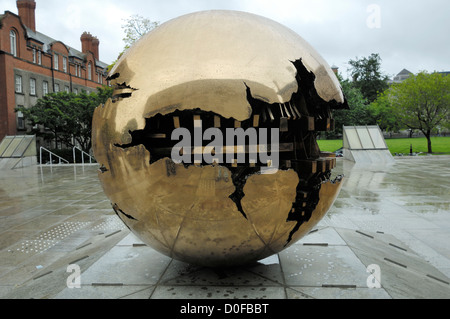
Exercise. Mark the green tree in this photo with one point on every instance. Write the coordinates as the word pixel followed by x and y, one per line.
pixel 66 117
pixel 135 27
pixel 367 76
pixel 358 113
pixel 384 114
pixel 422 102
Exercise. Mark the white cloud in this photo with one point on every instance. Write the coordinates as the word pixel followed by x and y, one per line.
pixel 412 33
pixel 73 16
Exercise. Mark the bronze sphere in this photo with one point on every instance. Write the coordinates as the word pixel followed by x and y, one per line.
pixel 222 70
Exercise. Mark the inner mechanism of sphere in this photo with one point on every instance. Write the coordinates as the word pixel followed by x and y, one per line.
pixel 298 121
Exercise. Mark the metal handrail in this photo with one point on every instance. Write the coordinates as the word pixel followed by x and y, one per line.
pixel 82 155
pixel 51 157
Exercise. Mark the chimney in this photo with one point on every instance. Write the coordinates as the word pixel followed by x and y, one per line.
pixel 335 69
pixel 95 45
pixel 86 42
pixel 27 13
pixel 90 43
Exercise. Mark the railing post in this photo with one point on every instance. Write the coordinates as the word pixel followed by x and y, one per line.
pixel 60 159
pixel 83 153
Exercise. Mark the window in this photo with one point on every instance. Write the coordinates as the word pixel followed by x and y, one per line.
pixel 65 64
pixel 56 87
pixel 13 42
pixel 18 84
pixel 89 71
pixel 34 55
pixel 32 87
pixel 20 120
pixel 76 70
pixel 55 62
pixel 67 89
pixel 44 88
pixel 39 57
pixel 99 77
pixel 75 91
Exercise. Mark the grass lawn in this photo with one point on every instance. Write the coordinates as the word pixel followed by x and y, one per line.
pixel 440 145
pixel 329 145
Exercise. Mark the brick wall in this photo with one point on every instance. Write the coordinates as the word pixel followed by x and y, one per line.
pixel 34 61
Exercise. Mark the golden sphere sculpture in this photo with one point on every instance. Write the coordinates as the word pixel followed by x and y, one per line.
pixel 232 199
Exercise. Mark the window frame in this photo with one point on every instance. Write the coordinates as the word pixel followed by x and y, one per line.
pixel 13 42
pixel 20 120
pixel 32 86
pixel 18 86
pixel 44 88
pixel 56 61
pixel 90 71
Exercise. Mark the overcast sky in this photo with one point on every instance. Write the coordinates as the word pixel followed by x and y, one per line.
pixel 411 34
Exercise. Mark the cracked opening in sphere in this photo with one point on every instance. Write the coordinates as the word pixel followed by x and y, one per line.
pixel 298 122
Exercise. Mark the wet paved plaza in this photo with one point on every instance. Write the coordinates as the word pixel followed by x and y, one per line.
pixel 394 220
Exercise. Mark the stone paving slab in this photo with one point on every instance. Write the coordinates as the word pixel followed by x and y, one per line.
pixel 394 217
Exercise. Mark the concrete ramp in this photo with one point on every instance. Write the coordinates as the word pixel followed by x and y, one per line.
pixel 18 151
pixel 366 144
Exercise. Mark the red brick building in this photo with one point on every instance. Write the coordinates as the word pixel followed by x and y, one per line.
pixel 33 64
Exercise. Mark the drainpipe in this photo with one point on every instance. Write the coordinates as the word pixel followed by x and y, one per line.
pixel 53 73
pixel 70 79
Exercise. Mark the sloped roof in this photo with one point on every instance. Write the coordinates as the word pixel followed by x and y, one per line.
pixel 48 41
pixel 404 72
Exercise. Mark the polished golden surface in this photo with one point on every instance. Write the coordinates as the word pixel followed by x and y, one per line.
pixel 202 60
pixel 205 61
